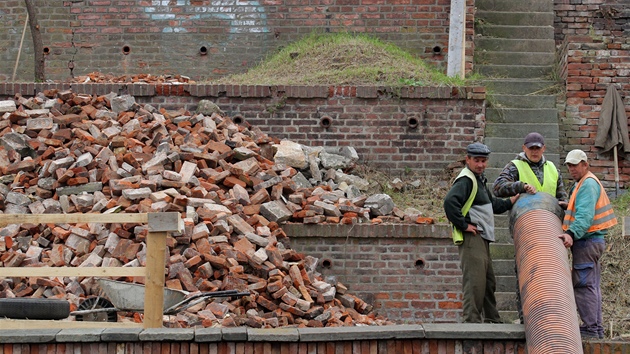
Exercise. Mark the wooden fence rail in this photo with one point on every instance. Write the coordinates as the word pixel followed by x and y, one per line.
pixel 160 224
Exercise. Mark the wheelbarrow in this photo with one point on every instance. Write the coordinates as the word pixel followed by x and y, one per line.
pixel 123 296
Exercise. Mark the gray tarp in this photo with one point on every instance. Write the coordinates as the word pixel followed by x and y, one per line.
pixel 612 129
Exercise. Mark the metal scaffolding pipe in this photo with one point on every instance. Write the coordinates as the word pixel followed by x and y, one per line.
pixel 544 275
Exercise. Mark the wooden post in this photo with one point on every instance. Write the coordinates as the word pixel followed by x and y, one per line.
pixel 457 39
pixel 159 226
pixel 154 283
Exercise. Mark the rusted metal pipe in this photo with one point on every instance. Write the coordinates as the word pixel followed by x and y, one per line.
pixel 544 275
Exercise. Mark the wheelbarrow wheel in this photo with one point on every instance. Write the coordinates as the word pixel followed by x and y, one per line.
pixel 34 309
pixel 95 303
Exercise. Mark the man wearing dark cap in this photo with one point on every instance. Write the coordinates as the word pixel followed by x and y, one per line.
pixel 530 172
pixel 476 221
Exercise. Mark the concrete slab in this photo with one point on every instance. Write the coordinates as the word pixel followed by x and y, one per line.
pixel 208 335
pixel 121 334
pixel 79 335
pixel 167 334
pixel 28 335
pixel 273 334
pixel 234 334
pixel 474 331
pixel 360 333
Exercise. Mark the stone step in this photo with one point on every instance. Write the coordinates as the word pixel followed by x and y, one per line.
pixel 506 301
pixel 521 115
pixel 515 58
pixel 520 130
pixel 502 235
pixel 528 18
pixel 511 31
pixel 500 100
pixel 515 6
pixel 503 266
pixel 515 45
pixel 509 316
pixel 506 283
pixel 522 71
pixel 522 86
pixel 552 146
pixel 501 251
pixel 500 159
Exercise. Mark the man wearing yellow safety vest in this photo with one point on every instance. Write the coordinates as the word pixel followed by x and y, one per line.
pixel 530 172
pixel 470 207
pixel 588 217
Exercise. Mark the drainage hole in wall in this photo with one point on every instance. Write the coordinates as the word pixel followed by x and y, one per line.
pixel 437 50
pixel 46 50
pixel 203 50
pixel 238 119
pixel 325 121
pixel 126 49
pixel 412 122
pixel 326 263
pixel 420 263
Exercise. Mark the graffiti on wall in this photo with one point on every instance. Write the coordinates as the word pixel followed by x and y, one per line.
pixel 243 16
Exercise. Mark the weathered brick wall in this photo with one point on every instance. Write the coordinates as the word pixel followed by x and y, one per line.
pixel 207 39
pixel 594 46
pixel 423 129
pixel 409 273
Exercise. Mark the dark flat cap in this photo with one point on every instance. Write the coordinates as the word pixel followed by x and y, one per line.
pixel 534 139
pixel 477 149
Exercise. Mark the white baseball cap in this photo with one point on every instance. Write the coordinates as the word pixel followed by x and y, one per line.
pixel 575 156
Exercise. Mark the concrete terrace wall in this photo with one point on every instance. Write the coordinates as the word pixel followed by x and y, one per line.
pixel 593 37
pixel 424 128
pixel 417 339
pixel 207 39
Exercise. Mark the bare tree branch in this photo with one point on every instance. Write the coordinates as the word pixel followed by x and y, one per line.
pixel 38 46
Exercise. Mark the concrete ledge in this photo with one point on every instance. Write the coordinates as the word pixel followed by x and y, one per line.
pixel 121 334
pixel 208 335
pixel 28 335
pixel 453 331
pixel 360 333
pixel 474 331
pixel 273 335
pixel 81 335
pixel 234 334
pixel 167 334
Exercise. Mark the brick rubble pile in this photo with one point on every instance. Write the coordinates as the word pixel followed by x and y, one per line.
pixel 63 152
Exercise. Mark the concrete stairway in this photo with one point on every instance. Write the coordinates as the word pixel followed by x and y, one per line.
pixel 515 52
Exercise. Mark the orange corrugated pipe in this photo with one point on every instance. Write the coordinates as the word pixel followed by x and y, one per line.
pixel 544 276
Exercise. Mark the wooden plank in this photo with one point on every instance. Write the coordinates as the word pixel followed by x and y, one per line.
pixel 154 283
pixel 167 221
pixel 52 324
pixel 72 272
pixel 6 219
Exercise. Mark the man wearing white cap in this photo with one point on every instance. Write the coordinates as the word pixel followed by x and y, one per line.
pixel 588 217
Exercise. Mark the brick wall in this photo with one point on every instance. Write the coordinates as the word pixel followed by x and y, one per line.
pixel 207 39
pixel 423 129
pixel 594 46
pixel 409 273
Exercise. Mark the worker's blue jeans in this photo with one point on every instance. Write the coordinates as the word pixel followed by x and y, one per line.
pixel 587 277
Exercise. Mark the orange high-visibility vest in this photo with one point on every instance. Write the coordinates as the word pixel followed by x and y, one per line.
pixel 604 216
